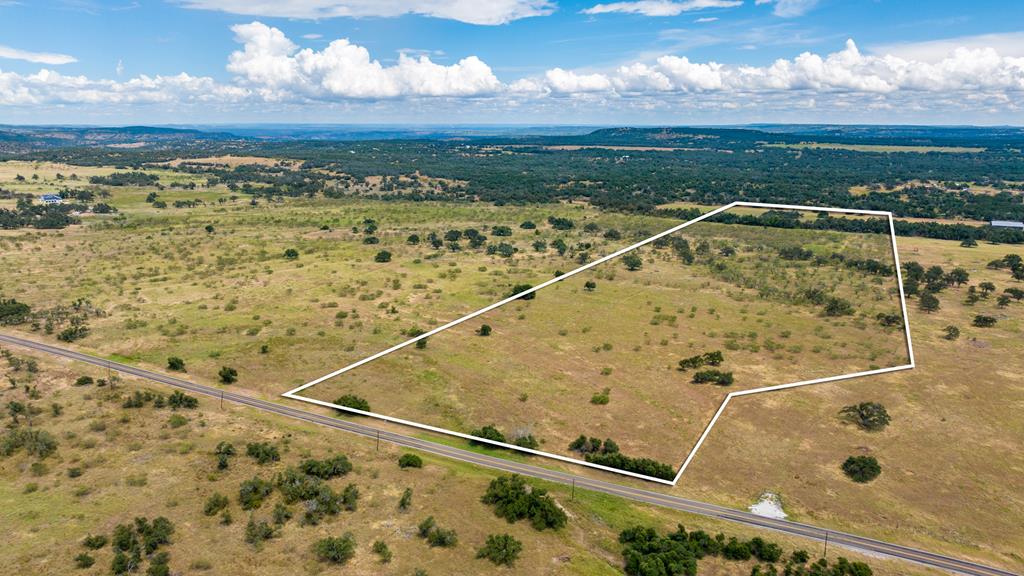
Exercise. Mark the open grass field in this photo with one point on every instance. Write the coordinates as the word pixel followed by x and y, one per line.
pixel 229 297
pixel 146 462
pixel 167 286
pixel 952 466
pixel 546 362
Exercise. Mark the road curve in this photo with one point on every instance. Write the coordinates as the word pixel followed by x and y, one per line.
pixel 842 539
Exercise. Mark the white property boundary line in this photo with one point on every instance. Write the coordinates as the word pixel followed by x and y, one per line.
pixel 294 393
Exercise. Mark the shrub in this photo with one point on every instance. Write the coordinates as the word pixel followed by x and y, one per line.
pixel 84 381
pixel 501 549
pixel 382 256
pixel 765 551
pixel 13 312
pixel 258 532
pixel 982 321
pixel 179 399
pixel 177 421
pixel 326 469
pixel 951 332
pixel 262 452
pixel 484 330
pixel 336 550
pixel 736 550
pixel 442 538
pixel 520 288
pixel 410 461
pixel 291 253
pixel 716 377
pixel 176 364
pixel 645 466
pixel 252 492
pixel 381 549
pixel 281 514
pixel 426 526
pixel 489 432
pixel 838 307
pixel 353 401
pixel 527 441
pixel 224 451
pixel 296 486
pixel 928 302
pixel 215 503
pixel 632 262
pixel 350 497
pixel 35 442
pixel 870 416
pixel 406 500
pixel 513 500
pixel 601 398
pixel 94 542
pixel 228 375
pixel 83 561
pixel 862 468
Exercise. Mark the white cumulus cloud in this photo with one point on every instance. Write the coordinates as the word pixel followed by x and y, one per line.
pixel 269 71
pixel 270 63
pixel 660 7
pixel 483 12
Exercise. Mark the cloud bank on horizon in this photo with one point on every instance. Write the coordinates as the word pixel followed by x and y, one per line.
pixel 268 69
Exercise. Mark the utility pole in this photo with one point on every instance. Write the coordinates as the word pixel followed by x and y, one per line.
pixel 572 497
pixel 378 440
pixel 826 544
pixel 222 400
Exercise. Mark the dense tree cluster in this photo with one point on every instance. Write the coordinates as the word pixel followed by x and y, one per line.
pixel 607 453
pixel 513 499
pixel 646 552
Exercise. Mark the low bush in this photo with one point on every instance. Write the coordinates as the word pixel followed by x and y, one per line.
pixel 336 550
pixel 501 549
pixel 410 461
pixel 862 468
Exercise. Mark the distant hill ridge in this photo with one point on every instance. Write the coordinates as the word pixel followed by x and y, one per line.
pixel 23 139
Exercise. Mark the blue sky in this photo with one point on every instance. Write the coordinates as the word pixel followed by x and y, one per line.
pixel 520 61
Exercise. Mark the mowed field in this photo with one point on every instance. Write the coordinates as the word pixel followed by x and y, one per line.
pixel 227 296
pixel 144 462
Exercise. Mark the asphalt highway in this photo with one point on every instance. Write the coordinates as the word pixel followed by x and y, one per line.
pixel 834 538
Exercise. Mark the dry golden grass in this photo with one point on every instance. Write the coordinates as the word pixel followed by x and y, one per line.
pixel 134 464
pixel 952 464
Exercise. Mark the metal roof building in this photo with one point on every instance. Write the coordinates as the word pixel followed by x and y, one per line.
pixel 51 199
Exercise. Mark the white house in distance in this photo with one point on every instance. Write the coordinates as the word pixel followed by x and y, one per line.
pixel 1007 224
pixel 51 199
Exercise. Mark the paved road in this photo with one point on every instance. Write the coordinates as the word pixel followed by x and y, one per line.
pixel 841 539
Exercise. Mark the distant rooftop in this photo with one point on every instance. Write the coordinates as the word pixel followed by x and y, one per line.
pixel 1007 224
pixel 50 197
